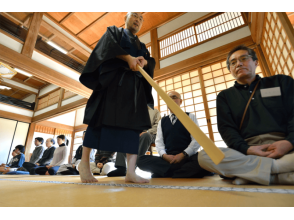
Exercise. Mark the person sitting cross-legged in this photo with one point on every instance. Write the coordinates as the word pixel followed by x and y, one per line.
pixel 261 149
pixel 45 160
pixel 11 160
pixel 176 147
pixel 16 162
pixel 59 157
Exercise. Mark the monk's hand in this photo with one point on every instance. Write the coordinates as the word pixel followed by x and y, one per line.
pixel 168 158
pixel 260 150
pixel 100 165
pixel 142 61
pixel 279 149
pixel 48 166
pixel 178 158
pixel 132 62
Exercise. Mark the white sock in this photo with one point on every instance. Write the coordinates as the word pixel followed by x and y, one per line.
pixel 284 164
pixel 240 181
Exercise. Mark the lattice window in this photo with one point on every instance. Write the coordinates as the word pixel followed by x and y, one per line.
pixel 67 94
pixel 276 46
pixel 200 32
pixel 49 99
pixel 189 87
pixel 177 42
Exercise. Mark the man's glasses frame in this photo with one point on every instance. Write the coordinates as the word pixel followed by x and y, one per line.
pixel 242 59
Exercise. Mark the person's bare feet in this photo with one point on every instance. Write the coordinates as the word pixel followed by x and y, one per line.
pixel 132 177
pixel 85 173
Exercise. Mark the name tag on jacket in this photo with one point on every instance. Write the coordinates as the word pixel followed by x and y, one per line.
pixel 270 92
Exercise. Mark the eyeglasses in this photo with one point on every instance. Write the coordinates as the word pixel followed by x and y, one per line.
pixel 242 59
pixel 137 16
pixel 174 97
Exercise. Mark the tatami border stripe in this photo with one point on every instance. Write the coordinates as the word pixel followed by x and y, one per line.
pixel 258 190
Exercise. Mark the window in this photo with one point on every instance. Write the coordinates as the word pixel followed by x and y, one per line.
pixel 276 46
pixel 200 32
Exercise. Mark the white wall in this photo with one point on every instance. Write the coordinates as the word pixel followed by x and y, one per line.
pixel 10 43
pixel 80 116
pixel 30 98
pixel 72 99
pixel 47 89
pixel 55 66
pixel 220 41
pixel 66 119
pixel 179 22
pixel 12 109
pixel 46 109
pixel 12 82
pixel 146 38
pixel 6 134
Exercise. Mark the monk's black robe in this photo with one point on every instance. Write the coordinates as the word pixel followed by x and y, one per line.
pixel 120 96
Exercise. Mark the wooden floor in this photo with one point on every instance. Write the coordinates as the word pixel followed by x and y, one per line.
pixel 66 191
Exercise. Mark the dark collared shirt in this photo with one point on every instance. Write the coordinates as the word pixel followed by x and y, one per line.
pixel 264 114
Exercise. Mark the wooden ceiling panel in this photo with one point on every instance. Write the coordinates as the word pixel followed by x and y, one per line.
pixel 80 55
pixel 45 32
pixel 154 19
pixel 20 15
pixel 14 93
pixel 96 31
pixel 80 20
pixel 58 16
pixel 20 76
pixel 61 43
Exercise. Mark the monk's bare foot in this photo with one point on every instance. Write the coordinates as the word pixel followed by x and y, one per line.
pixel 132 177
pixel 85 173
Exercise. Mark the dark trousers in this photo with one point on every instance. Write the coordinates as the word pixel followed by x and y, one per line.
pixel 30 167
pixel 187 168
pixel 43 169
pixel 144 143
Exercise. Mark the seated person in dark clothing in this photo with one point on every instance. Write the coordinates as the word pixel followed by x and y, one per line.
pixel 104 162
pixel 70 169
pixel 17 161
pixel 46 158
pixel 38 151
pixel 176 147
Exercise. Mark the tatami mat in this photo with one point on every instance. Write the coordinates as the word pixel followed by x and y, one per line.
pixel 63 191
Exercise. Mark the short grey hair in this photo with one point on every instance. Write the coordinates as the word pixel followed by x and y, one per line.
pixel 128 14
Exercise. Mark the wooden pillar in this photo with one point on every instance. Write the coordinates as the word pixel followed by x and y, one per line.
pixel 71 147
pixel 205 104
pixel 257 26
pixel 262 61
pixel 29 141
pixel 288 28
pixel 155 47
pixel 31 38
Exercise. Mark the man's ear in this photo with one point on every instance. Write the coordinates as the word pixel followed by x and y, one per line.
pixel 256 63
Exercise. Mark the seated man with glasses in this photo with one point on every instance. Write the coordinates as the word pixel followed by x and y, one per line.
pixel 176 147
pixel 256 121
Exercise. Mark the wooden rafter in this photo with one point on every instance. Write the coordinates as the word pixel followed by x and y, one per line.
pixel 66 39
pixel 92 24
pixel 256 26
pixel 20 61
pixel 66 17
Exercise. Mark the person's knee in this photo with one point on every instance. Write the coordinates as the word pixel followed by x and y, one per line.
pixel 145 137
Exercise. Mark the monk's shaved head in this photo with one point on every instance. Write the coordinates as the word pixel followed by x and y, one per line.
pixel 174 93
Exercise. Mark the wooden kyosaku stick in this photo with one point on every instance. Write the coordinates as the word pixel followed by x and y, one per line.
pixel 212 151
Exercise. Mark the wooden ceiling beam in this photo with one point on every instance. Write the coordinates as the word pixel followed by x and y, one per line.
pixel 51 37
pixel 30 42
pixel 92 24
pixel 63 37
pixel 19 86
pixel 12 17
pixel 20 61
pixel 77 58
pixel 39 80
pixel 66 17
